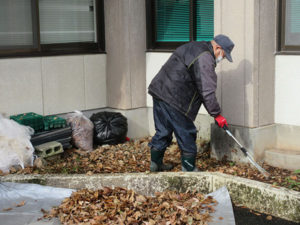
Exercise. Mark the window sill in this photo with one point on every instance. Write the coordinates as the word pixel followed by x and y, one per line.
pixel 160 50
pixel 287 53
pixel 43 54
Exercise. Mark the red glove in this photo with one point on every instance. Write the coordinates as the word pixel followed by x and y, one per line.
pixel 221 121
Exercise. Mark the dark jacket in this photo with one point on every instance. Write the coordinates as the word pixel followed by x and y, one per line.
pixel 188 79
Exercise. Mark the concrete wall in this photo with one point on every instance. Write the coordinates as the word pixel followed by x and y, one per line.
pixel 287 83
pixel 51 85
pixel 265 47
pixel 125 30
pixel 247 84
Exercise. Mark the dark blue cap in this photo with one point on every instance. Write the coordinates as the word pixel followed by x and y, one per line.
pixel 226 44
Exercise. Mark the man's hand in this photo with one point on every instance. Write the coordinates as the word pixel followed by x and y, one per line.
pixel 221 121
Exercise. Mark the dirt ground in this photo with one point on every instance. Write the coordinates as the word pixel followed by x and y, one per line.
pixel 134 156
pixel 244 216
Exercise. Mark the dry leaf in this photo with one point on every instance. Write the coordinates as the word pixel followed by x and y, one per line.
pixel 151 222
pixel 180 207
pixel 121 206
pixel 137 215
pixel 293 177
pixel 22 203
pixel 7 209
pixel 141 198
pixel 89 173
pixel 44 211
pixel 269 217
pixel 123 158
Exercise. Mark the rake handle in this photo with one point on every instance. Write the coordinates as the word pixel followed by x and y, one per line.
pixel 241 147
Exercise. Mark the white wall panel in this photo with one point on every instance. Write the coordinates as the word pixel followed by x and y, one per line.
pixel 63 84
pixel 95 81
pixel 287 90
pixel 154 62
pixel 20 86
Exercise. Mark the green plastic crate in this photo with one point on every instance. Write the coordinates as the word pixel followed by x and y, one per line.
pixel 31 119
pixel 52 122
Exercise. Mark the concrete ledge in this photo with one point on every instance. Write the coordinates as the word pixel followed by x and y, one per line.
pixel 288 159
pixel 279 202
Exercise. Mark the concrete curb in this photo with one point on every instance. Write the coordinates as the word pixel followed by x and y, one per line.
pixel 262 197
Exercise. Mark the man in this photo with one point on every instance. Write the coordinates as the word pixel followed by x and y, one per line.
pixel 184 82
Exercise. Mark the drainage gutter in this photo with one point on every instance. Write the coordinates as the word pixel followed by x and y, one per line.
pixel 262 197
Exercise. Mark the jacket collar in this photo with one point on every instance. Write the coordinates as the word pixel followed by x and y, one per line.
pixel 211 50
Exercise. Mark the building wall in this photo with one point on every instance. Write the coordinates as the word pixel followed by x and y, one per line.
pixel 246 86
pixel 266 45
pixel 154 61
pixel 52 85
pixel 125 36
pixel 287 83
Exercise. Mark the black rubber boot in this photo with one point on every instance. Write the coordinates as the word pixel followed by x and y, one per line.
pixel 188 161
pixel 157 161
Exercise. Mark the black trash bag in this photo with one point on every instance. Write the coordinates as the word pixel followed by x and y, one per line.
pixel 109 128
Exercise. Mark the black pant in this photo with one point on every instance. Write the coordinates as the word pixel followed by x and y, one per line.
pixel 168 120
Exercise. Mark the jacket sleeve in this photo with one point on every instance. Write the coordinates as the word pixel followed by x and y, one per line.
pixel 206 81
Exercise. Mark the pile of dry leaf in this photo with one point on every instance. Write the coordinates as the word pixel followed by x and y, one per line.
pixel 134 156
pixel 122 206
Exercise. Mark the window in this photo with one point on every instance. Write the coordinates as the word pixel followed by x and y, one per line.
pixel 51 27
pixel 289 22
pixel 171 23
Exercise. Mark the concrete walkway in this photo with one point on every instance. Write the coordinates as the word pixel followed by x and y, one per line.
pixel 262 197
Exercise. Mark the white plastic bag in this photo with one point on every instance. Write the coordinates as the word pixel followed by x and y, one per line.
pixel 82 130
pixel 15 146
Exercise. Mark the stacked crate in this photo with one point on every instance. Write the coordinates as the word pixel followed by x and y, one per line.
pixel 51 132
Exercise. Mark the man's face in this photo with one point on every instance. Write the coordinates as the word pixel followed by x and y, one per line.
pixel 220 52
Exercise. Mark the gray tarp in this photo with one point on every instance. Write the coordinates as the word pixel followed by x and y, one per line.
pixel 39 197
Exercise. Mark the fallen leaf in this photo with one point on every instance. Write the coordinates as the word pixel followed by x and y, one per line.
pixel 122 158
pixel 269 217
pixel 122 206
pixel 7 209
pixel 141 198
pixel 137 215
pixel 89 173
pixel 293 177
pixel 22 203
pixel 151 222
pixel 44 211
pixel 180 207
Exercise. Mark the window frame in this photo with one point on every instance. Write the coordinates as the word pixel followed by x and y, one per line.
pixel 152 44
pixel 281 46
pixel 39 49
